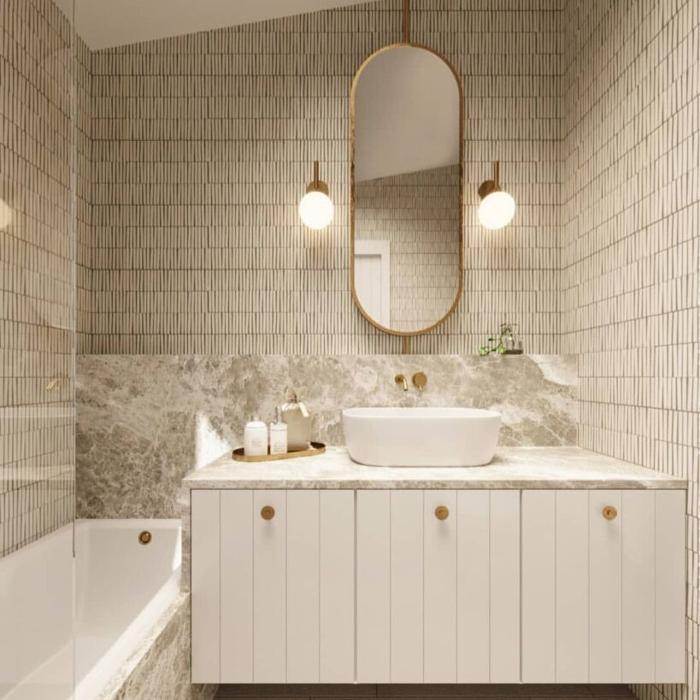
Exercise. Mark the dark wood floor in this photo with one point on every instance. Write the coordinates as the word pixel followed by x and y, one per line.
pixel 425 692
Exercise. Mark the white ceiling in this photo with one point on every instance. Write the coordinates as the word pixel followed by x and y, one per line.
pixel 105 23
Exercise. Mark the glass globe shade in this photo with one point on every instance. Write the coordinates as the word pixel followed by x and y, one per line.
pixel 496 210
pixel 316 210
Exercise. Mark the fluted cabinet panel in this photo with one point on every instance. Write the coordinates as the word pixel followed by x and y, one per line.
pixel 602 602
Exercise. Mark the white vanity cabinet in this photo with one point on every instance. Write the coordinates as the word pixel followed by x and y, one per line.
pixel 438 590
pixel 273 586
pixel 438 586
pixel 603 586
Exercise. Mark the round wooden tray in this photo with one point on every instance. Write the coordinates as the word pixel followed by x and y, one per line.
pixel 317 448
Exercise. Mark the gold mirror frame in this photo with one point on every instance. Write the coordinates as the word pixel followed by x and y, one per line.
pixel 460 287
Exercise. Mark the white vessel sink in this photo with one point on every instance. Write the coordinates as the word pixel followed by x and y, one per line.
pixel 421 437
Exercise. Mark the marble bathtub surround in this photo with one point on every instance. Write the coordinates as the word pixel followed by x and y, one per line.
pixel 160 668
pixel 145 421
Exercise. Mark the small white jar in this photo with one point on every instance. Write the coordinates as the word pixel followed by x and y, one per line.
pixel 255 438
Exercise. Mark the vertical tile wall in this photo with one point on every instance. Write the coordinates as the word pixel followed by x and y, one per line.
pixel 630 244
pixel 85 247
pixel 203 145
pixel 37 237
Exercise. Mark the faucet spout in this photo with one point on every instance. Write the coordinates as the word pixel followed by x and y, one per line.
pixel 400 380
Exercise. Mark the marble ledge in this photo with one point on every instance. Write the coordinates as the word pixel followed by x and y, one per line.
pixel 512 468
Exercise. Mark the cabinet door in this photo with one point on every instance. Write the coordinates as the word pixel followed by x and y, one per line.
pixel 320 587
pixel 637 574
pixel 438 591
pixel 236 586
pixel 390 586
pixel 373 586
pixel 269 587
pixel 538 622
pixel 504 602
pixel 303 586
pixel 555 586
pixel 603 586
pixel 287 588
pixel 571 585
pixel 205 586
pixel 406 586
pixel 670 568
pixel 337 586
pixel 474 587
pixel 604 554
pixel 440 582
pixel 488 586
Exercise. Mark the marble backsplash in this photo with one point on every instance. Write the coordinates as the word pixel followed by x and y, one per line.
pixel 144 421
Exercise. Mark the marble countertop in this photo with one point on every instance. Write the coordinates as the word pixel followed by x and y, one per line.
pixel 512 468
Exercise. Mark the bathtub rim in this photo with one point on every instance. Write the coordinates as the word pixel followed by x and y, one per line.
pixel 126 523
pixel 104 678
pixel 122 675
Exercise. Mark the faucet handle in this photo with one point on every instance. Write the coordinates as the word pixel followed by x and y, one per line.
pixel 420 380
pixel 401 381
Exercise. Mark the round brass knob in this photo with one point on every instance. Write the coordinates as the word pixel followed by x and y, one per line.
pixel 442 512
pixel 145 537
pixel 610 512
pixel 267 512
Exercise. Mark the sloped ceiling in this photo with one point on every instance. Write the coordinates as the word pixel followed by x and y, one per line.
pixel 106 23
pixel 406 114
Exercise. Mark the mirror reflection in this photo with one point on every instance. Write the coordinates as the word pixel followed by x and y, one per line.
pixel 406 189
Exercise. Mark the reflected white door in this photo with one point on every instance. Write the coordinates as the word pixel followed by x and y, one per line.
pixel 373 279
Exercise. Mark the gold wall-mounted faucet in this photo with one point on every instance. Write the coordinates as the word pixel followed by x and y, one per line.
pixel 420 380
pixel 400 379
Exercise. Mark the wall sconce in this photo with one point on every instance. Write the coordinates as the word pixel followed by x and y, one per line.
pixel 497 208
pixel 316 207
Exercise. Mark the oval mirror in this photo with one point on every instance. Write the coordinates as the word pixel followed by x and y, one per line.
pixel 406 206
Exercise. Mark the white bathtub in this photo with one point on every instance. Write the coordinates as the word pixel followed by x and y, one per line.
pixel 36 619
pixel 121 589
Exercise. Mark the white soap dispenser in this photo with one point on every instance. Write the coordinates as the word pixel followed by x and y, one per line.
pixel 278 435
pixel 255 438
